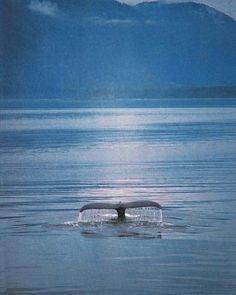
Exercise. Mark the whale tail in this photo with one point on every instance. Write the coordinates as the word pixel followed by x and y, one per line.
pixel 121 207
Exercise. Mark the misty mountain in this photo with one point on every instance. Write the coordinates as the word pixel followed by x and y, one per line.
pixel 64 48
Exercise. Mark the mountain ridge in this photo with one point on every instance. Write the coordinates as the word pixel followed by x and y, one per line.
pixel 113 46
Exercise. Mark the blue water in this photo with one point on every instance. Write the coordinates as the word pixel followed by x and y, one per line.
pixel 52 162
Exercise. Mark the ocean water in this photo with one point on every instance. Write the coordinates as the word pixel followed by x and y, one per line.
pixel 52 162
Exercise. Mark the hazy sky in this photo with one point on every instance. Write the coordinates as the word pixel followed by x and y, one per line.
pixel 226 6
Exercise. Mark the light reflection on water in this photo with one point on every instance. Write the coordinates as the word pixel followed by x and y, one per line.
pixel 53 162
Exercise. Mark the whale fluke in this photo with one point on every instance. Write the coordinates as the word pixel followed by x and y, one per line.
pixel 121 207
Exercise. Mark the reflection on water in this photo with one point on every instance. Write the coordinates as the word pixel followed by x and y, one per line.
pixel 53 162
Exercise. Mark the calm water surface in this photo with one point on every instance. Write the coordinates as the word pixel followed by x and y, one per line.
pixel 52 162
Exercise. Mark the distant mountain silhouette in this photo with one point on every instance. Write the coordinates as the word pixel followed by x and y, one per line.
pixel 80 48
